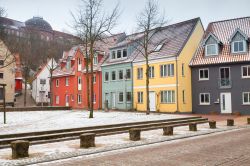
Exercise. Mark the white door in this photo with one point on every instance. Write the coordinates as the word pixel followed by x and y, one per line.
pixel 113 100
pixel 225 103
pixel 152 103
pixel 67 100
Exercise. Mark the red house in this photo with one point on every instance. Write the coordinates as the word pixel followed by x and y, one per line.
pixel 69 79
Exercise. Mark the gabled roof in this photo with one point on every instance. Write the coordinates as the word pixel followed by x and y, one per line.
pixel 213 36
pixel 44 66
pixel 224 30
pixel 238 31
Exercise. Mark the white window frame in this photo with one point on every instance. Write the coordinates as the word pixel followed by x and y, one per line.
pixel 248 74
pixel 120 101
pixel 79 98
pixel 151 74
pixel 95 60
pixel 128 101
pixel 238 41
pixel 79 82
pixel 127 73
pixel 123 52
pixel 119 74
pixel 204 103
pixel 79 64
pixel 140 73
pixel 203 79
pixel 57 82
pixel 67 81
pixel 112 76
pixel 216 49
pixel 172 99
pixel 140 97
pixel 246 103
pixel 57 99
pixel 105 76
pixel 167 71
pixel 112 54
pixel 117 54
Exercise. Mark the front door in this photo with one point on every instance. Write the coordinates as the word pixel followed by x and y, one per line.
pixel 113 100
pixel 225 103
pixel 67 100
pixel 152 102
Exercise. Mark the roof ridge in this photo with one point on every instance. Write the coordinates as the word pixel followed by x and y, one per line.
pixel 238 18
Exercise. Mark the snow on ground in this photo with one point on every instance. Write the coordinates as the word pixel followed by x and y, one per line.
pixel 20 122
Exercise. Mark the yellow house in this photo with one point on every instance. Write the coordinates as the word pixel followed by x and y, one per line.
pixel 169 75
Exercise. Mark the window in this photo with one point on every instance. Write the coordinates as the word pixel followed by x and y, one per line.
pixel 183 96
pixel 79 80
pixel 204 98
pixel 72 97
pixel 94 99
pixel 68 64
pixel 167 70
pixel 119 53
pixel 106 76
pixel 203 74
pixel 120 96
pixel 124 53
pixel 94 78
pixel 182 69
pixel 246 97
pixel 95 59
pixel 113 75
pixel 79 99
pixel 1 62
pixel 113 55
pixel 57 82
pixel 67 81
pixel 245 71
pixel 140 97
pixel 79 64
pixel 158 47
pixel 1 75
pixel 151 72
pixel 238 46
pixel 43 81
pixel 168 96
pixel 120 74
pixel 128 74
pixel 128 97
pixel 139 73
pixel 211 49
pixel 57 99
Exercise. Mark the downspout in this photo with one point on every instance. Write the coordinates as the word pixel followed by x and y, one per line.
pixel 132 83
pixel 177 88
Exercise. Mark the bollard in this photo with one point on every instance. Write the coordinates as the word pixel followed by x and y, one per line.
pixel 192 127
pixel 168 130
pixel 135 134
pixel 20 149
pixel 212 124
pixel 248 120
pixel 106 106
pixel 230 122
pixel 87 140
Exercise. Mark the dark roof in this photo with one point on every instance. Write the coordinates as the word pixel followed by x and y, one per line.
pixel 39 23
pixel 223 30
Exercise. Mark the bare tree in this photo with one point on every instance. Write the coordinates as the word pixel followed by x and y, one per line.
pixel 93 23
pixel 149 21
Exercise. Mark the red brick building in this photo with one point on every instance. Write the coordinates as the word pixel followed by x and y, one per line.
pixel 69 79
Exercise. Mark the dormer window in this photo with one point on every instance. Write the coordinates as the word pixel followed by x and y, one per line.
pixel 238 46
pixel 113 55
pixel 124 53
pixel 95 59
pixel 119 53
pixel 211 49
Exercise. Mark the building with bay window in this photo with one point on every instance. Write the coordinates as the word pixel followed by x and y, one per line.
pixel 221 68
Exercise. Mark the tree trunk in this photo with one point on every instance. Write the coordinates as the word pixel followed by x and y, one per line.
pixel 91 83
pixel 51 90
pixel 25 86
pixel 147 86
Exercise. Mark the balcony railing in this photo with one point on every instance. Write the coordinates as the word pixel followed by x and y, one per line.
pixel 225 83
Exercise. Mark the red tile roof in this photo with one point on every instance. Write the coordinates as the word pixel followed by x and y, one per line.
pixel 223 30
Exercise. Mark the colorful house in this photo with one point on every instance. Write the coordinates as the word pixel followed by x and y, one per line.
pixel 69 79
pixel 41 83
pixel 221 68
pixel 117 74
pixel 170 75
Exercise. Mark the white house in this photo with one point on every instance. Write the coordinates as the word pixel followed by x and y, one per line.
pixel 41 83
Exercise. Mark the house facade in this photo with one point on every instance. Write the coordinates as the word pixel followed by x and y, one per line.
pixel 221 68
pixel 7 74
pixel 169 75
pixel 117 74
pixel 18 75
pixel 41 83
pixel 70 77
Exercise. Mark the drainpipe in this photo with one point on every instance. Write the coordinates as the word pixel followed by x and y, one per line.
pixel 132 85
pixel 177 88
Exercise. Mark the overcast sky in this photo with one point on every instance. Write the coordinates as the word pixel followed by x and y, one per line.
pixel 57 12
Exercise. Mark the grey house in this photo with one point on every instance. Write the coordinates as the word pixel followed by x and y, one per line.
pixel 221 68
pixel 117 74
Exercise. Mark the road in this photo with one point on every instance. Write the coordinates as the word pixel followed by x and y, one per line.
pixel 227 148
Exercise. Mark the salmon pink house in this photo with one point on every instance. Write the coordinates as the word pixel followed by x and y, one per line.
pixel 69 86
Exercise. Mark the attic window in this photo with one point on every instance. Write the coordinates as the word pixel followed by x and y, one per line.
pixel 211 49
pixel 158 47
pixel 239 46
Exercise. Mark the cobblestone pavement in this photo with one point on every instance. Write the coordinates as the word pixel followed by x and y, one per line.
pixel 226 149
